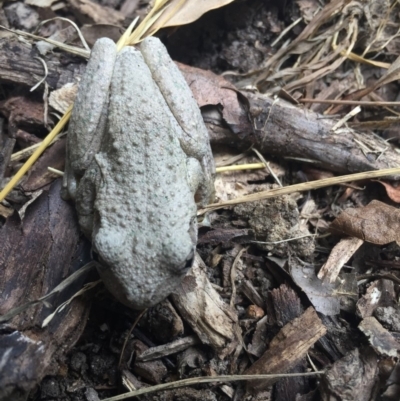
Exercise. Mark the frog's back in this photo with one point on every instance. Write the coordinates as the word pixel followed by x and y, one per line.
pixel 144 203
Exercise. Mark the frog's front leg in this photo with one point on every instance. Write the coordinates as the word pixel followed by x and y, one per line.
pixel 89 115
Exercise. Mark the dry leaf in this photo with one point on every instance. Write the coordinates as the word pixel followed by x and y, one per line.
pixel 377 223
pixel 210 89
pixel 190 11
pixel 321 295
pixel 392 192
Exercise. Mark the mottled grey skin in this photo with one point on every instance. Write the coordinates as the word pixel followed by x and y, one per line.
pixel 137 154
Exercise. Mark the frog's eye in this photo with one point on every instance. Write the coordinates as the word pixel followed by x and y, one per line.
pixel 188 262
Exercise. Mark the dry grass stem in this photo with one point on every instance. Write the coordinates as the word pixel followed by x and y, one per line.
pixel 306 186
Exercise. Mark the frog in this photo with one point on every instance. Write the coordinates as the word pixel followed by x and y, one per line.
pixel 138 165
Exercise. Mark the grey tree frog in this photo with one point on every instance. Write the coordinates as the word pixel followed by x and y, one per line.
pixel 138 161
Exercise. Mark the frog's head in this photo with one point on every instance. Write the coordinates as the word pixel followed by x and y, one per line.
pixel 140 274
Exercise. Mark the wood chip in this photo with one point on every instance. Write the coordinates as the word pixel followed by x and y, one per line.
pixel 287 348
pixel 379 338
pixel 167 349
pixel 204 310
pixel 352 377
pixel 339 255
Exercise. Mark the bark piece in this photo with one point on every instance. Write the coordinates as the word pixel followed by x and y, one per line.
pixel 167 349
pixel 286 305
pixel 351 378
pixel 379 293
pixel 39 175
pixel 392 385
pixel 339 255
pixel 258 344
pixel 380 339
pixel 389 316
pixel 284 129
pixel 19 66
pixel 37 254
pixel 6 147
pixel 22 111
pixel 287 348
pixel 152 371
pixel 203 309
pixel 251 293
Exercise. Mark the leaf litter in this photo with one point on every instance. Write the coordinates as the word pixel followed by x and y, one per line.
pixel 338 38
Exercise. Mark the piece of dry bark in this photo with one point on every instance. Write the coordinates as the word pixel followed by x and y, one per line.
pixel 286 349
pixel 18 65
pixel 251 293
pixel 22 16
pixel 380 339
pixel 22 111
pixel 285 305
pixel 351 378
pixel 203 309
pixel 377 223
pixel 392 385
pixel 151 371
pixel 39 175
pixel 379 293
pixel 274 127
pixel 258 344
pixel 37 254
pixel 167 349
pixel 389 316
pixel 7 143
pixel 339 255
